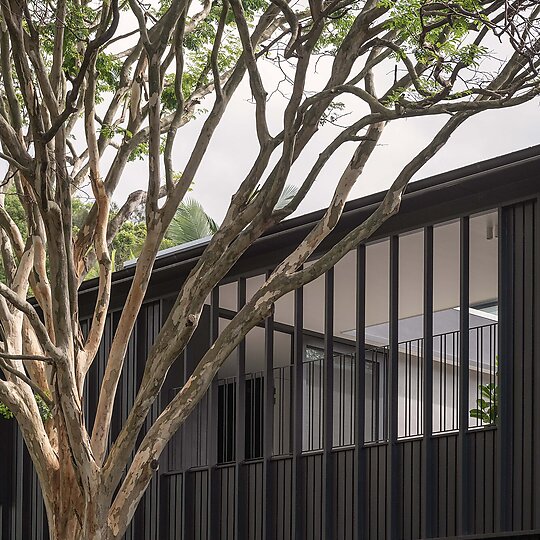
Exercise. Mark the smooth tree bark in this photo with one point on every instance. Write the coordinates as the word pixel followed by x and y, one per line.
pixel 87 87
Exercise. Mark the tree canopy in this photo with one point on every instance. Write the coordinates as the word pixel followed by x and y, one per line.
pixel 87 87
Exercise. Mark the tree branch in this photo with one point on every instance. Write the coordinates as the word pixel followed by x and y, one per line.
pixel 26 308
pixel 20 375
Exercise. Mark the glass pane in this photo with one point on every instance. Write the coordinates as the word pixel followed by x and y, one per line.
pixel 410 334
pixel 377 335
pixel 483 319
pixel 344 351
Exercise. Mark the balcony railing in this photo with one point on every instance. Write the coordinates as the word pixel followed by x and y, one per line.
pixel 446 368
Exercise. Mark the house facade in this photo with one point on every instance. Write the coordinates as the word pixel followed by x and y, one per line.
pixel 396 397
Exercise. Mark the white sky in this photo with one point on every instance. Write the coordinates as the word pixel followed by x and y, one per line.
pixel 234 144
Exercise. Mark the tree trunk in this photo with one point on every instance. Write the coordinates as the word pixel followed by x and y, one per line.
pixel 77 513
pixel 79 523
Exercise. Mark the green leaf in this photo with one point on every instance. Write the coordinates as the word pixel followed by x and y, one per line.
pixel 190 223
pixel 5 412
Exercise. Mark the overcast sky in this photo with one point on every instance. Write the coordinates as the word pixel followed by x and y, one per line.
pixel 233 148
pixel 234 145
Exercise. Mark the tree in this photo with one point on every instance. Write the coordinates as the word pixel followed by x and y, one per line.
pixel 126 244
pixel 70 95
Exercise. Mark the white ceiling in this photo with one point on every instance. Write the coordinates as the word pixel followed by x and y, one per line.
pixel 483 282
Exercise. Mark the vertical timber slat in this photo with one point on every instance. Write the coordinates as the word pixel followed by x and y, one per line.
pixel 213 401
pixel 393 503
pixel 240 429
pixel 464 468
pixel 517 335
pixel 505 382
pixel 328 404
pixel 360 480
pixel 429 486
pixel 187 522
pixel 268 425
pixel 527 360
pixel 298 476
pixel 536 364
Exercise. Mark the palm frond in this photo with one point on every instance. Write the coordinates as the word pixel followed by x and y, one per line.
pixel 190 223
pixel 287 195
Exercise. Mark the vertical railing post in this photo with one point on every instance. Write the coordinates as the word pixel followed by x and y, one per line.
pixel 268 430
pixel 297 469
pixel 328 410
pixel 464 468
pixel 393 478
pixel 505 432
pixel 429 486
pixel 240 427
pixel 360 483
pixel 213 412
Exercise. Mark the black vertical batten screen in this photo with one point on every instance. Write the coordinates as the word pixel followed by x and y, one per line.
pixel 360 479
pixel 298 476
pixel 527 422
pixel 213 400
pixel 505 428
pixel 7 473
pixel 522 351
pixel 18 474
pixel 240 492
pixel 536 363
pixel 393 503
pixel 464 465
pixel 328 404
pixel 503 502
pixel 429 486
pixel 268 426
pixel 187 489
pixel 517 357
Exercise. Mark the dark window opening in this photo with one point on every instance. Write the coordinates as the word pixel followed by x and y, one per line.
pixel 254 418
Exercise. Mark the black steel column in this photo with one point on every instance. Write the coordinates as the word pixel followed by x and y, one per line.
pixel 393 499
pixel 299 484
pixel 213 412
pixel 360 481
pixel 464 458
pixel 505 431
pixel 269 516
pixel 429 473
pixel 240 492
pixel 328 411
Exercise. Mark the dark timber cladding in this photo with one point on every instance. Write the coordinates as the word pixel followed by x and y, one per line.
pixel 302 438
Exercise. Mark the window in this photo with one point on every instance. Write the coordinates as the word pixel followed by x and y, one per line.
pixel 254 418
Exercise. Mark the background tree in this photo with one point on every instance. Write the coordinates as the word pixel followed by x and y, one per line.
pixel 118 79
pixel 191 222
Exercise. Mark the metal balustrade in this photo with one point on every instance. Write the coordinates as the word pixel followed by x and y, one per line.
pixel 446 347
